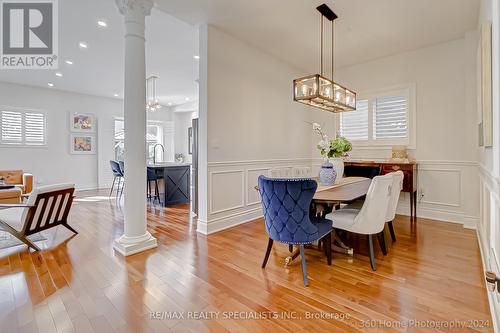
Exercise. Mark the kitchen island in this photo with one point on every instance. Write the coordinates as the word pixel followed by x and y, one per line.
pixel 176 182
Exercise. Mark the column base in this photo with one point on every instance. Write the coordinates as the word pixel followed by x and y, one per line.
pixel 127 246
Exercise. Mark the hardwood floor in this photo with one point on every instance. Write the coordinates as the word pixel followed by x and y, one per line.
pixel 79 284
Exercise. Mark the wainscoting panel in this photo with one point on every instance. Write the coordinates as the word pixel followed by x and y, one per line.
pixel 226 190
pixel 447 191
pixel 253 197
pixel 440 187
pixel 488 233
pixel 450 191
pixel 232 198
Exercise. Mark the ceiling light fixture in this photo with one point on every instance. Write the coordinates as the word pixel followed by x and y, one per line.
pixel 187 99
pixel 83 45
pixel 102 23
pixel 59 74
pixel 152 102
pixel 69 62
pixel 116 95
pixel 50 84
pixel 318 91
pixel 169 103
pixel 196 57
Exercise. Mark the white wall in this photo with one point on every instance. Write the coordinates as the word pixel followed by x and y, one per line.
pixel 446 135
pixel 489 163
pixel 254 125
pixel 252 122
pixel 53 163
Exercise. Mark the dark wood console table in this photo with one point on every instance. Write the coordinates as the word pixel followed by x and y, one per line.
pixel 410 171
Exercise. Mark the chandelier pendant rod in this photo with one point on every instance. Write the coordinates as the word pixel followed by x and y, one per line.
pixel 333 48
pixel 321 44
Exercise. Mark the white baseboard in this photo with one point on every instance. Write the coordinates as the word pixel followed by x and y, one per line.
pixel 469 222
pixel 491 295
pixel 228 221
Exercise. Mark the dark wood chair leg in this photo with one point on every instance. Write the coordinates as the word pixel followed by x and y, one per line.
pixel 268 251
pixel 26 241
pixel 327 241
pixel 70 228
pixel 391 230
pixel 381 242
pixel 372 254
pixel 304 268
pixel 295 254
pixel 290 248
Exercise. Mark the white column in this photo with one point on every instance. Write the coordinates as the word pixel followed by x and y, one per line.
pixel 136 237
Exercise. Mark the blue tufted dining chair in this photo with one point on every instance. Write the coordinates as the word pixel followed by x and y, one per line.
pixel 286 204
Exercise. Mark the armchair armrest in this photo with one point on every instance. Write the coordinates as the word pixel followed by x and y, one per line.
pixel 5 206
pixel 15 205
pixel 28 182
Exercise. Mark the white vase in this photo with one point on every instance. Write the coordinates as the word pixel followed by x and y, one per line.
pixel 338 165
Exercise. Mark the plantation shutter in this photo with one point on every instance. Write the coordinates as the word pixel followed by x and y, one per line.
pixel 354 124
pixel 22 128
pixel 12 127
pixel 34 128
pixel 390 120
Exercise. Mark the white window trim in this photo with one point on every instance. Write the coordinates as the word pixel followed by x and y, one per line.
pixel 410 91
pixel 23 144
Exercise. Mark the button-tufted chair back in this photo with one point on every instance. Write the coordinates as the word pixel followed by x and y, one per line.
pixel 286 205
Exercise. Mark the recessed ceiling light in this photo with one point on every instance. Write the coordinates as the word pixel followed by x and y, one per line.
pixel 69 62
pixel 83 45
pixel 59 74
pixel 196 57
pixel 116 95
pixel 102 23
pixel 170 104
pixel 50 84
pixel 187 99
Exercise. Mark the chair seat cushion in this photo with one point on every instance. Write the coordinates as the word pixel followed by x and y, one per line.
pixel 13 217
pixel 11 193
pixel 344 218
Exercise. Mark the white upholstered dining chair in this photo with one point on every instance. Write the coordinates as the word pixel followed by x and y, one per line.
pixel 370 219
pixel 397 186
pixel 46 207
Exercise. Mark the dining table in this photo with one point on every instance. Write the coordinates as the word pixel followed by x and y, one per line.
pixel 328 198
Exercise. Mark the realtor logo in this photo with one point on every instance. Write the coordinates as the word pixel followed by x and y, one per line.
pixel 29 34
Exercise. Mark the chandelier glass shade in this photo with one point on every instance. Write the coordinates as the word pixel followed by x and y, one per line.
pixel 152 102
pixel 318 91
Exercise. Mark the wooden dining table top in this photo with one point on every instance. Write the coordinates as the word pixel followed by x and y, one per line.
pixel 348 189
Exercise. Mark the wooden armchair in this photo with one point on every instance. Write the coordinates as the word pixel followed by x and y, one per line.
pixel 46 207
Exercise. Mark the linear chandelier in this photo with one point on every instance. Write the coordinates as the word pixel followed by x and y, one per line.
pixel 152 102
pixel 318 91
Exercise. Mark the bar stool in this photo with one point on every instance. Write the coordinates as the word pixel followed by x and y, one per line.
pixel 153 177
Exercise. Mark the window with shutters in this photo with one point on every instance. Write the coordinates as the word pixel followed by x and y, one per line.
pixel 20 128
pixel 381 119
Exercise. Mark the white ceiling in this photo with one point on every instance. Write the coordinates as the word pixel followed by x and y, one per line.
pixel 288 29
pixel 366 29
pixel 98 70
